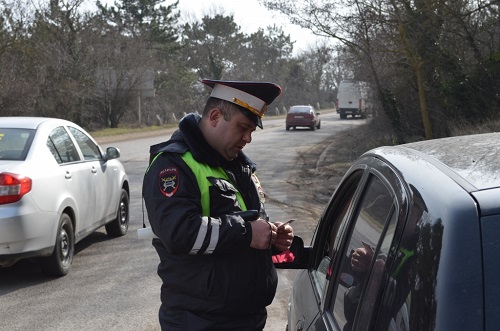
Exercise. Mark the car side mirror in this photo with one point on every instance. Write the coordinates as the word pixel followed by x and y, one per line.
pixel 112 153
pixel 346 280
pixel 296 257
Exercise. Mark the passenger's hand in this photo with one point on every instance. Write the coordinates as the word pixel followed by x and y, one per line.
pixel 284 236
pixel 263 234
pixel 361 258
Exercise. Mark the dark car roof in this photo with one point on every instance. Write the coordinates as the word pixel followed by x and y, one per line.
pixel 472 160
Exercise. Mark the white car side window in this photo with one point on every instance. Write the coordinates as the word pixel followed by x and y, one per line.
pixel 61 146
pixel 89 149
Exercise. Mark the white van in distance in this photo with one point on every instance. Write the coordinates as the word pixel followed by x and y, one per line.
pixel 352 98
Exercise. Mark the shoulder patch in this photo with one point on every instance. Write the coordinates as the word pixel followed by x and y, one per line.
pixel 168 181
pixel 260 190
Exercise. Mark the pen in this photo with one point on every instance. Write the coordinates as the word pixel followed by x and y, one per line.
pixel 287 222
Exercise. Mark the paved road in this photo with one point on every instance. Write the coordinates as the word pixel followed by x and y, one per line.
pixel 113 284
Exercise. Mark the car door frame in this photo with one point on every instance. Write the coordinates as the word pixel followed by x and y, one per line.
pixel 391 178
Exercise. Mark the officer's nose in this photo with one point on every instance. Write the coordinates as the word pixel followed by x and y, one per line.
pixel 247 138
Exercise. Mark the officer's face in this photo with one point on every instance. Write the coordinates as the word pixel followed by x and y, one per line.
pixel 233 135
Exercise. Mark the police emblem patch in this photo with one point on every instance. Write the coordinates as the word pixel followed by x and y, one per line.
pixel 260 190
pixel 168 181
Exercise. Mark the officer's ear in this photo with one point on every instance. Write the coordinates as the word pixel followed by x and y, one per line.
pixel 214 116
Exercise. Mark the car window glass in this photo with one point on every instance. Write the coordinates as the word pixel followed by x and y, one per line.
pixel 321 273
pixel 89 149
pixel 491 228
pixel 376 209
pixel 376 276
pixel 402 294
pixel 61 146
pixel 336 220
pixel 299 110
pixel 15 143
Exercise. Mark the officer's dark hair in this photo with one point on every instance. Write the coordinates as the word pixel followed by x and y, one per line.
pixel 227 108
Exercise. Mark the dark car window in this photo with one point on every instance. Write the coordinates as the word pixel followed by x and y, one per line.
pixel 61 146
pixel 89 149
pixel 405 279
pixel 15 143
pixel 323 272
pixel 491 229
pixel 335 220
pixel 375 212
pixel 301 110
pixel 368 304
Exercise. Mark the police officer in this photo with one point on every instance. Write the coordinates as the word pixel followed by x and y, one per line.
pixel 215 262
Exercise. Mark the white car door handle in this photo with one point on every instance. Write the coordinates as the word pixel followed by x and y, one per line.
pixel 68 175
pixel 93 170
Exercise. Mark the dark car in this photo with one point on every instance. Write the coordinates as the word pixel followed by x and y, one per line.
pixel 305 116
pixel 410 240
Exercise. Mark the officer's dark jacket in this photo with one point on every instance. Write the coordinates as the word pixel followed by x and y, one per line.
pixel 206 263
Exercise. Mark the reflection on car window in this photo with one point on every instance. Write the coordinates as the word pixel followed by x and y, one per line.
pixel 89 149
pixel 320 274
pixel 61 146
pixel 361 254
pixel 373 284
pixel 336 220
pixel 403 295
pixel 15 143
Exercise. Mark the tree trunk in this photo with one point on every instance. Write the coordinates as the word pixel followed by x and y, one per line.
pixel 423 101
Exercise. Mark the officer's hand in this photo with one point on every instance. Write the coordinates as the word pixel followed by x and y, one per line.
pixel 263 234
pixel 284 236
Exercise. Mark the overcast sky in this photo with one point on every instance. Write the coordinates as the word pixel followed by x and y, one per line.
pixel 250 15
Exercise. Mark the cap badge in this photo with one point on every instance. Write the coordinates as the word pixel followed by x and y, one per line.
pixel 255 111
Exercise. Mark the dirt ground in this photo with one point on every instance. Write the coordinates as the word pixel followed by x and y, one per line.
pixel 326 164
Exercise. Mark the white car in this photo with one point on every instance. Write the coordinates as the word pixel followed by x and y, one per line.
pixel 56 187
